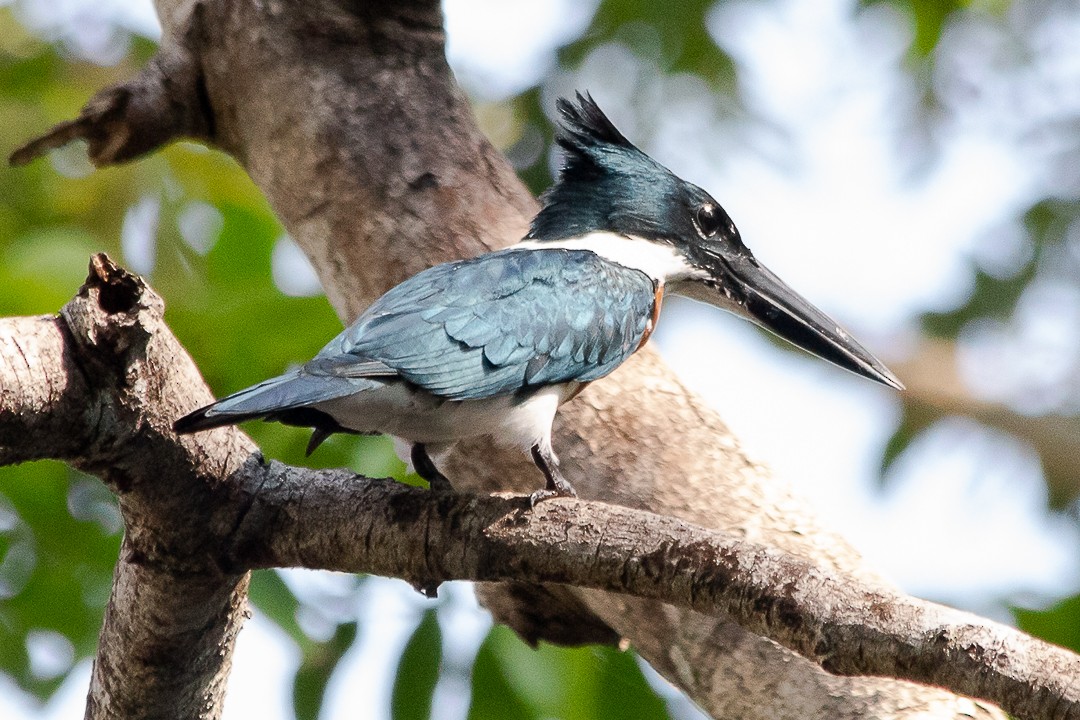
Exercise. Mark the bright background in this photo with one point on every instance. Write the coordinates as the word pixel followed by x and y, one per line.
pixel 912 168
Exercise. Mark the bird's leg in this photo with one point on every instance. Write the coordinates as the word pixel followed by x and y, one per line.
pixel 557 485
pixel 426 469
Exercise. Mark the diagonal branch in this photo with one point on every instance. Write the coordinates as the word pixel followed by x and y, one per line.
pixel 97 386
pixel 848 628
pixel 200 512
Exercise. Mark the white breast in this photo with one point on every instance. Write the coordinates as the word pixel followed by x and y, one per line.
pixel 660 261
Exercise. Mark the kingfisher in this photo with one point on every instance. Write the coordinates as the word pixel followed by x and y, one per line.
pixel 493 345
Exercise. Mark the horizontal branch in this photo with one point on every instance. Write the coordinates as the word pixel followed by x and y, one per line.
pixel 847 627
pixel 201 511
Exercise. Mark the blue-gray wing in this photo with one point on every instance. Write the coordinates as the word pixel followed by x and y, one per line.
pixel 498 323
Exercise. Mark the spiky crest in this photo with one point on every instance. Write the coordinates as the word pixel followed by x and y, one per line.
pixel 605 183
pixel 584 126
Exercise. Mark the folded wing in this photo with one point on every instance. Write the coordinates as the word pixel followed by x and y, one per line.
pixel 499 323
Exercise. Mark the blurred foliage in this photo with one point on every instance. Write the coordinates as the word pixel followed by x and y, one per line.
pixel 674 35
pixel 59 529
pixel 1048 227
pixel 993 295
pixel 59 543
pixel 536 173
pixel 318 664
pixel 1058 624
pixel 512 681
pixel 418 671
pixel 913 420
pixel 928 19
pixel 193 223
pixel 318 660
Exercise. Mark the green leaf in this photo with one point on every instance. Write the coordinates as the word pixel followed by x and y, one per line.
pixel 674 35
pixel 928 18
pixel 913 421
pixel 269 593
pixel 622 693
pixel 991 297
pixel 512 680
pixel 318 665
pixel 494 696
pixel 418 671
pixel 1047 225
pixel 1060 624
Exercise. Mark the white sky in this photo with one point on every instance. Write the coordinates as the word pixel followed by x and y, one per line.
pixel 822 195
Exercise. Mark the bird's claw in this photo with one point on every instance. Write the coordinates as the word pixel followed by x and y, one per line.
pixel 549 493
pixel 440 485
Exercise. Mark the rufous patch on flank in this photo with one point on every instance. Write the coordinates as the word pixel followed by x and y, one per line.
pixel 658 300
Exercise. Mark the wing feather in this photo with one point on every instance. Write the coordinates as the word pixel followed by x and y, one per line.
pixel 498 323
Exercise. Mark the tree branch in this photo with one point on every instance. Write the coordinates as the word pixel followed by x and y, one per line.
pixel 232 512
pixel 165 101
pixel 98 386
pixel 848 628
pixel 40 414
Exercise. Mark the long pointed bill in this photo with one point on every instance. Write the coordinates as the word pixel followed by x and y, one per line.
pixel 752 291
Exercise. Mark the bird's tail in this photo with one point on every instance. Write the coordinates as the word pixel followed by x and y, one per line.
pixel 284 398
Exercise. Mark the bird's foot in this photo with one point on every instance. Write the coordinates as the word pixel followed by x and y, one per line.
pixel 440 484
pixel 551 492
pixel 557 485
pixel 425 468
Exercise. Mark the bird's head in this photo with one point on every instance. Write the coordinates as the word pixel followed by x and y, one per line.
pixel 608 187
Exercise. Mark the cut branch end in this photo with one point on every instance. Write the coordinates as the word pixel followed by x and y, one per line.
pixel 118 290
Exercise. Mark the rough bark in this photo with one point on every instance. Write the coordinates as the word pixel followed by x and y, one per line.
pixel 849 628
pixel 201 511
pixel 97 386
pixel 348 118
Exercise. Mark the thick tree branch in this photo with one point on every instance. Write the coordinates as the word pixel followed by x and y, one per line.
pixel 40 413
pixel 235 512
pixel 98 387
pixel 849 628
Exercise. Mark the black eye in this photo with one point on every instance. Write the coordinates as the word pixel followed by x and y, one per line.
pixel 709 218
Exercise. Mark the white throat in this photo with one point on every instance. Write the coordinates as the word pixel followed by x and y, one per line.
pixel 660 261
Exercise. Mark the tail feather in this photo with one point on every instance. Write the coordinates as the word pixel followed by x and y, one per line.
pixel 200 420
pixel 283 398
